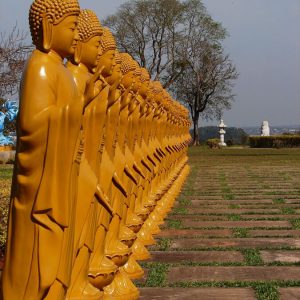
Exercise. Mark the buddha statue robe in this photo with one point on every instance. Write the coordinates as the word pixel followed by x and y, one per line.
pixel 43 199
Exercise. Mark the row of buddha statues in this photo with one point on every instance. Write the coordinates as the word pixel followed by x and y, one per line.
pixel 101 155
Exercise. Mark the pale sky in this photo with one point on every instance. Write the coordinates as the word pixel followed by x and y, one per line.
pixel 264 44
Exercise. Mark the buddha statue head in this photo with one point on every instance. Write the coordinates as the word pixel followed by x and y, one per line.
pixel 116 75
pixel 108 51
pixel 145 81
pixel 53 25
pixel 89 32
pixel 131 72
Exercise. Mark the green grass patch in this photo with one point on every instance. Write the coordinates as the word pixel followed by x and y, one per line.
pixel 163 244
pixel 179 211
pixel 228 197
pixel 174 224
pixel 279 201
pixel 288 210
pixel 265 186
pixel 157 275
pixel 234 217
pixel 6 172
pixel 240 232
pixel 252 257
pixel 234 206
pixel 295 223
pixel 266 291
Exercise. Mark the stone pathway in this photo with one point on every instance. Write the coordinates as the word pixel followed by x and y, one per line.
pixel 234 232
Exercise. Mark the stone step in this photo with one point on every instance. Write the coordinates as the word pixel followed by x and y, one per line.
pixel 279 216
pixel 197 218
pixel 235 224
pixel 233 211
pixel 196 233
pixel 280 256
pixel 197 293
pixel 291 293
pixel 255 217
pixel 274 233
pixel 196 256
pixel 214 274
pixel 237 243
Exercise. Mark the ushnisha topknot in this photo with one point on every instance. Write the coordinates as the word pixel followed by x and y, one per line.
pixel 145 77
pixel 54 10
pixel 88 25
pixel 108 41
pixel 128 63
pixel 156 87
pixel 118 58
pixel 138 71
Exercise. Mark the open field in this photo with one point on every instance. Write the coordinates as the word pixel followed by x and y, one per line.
pixel 234 232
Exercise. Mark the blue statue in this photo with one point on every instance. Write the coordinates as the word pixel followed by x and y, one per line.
pixel 10 109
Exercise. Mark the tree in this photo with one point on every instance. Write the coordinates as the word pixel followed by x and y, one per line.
pixel 13 54
pixel 181 45
pixel 150 30
pixel 205 85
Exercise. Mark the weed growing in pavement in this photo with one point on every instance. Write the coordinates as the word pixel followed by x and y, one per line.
pixel 234 206
pixel 179 211
pixel 234 217
pixel 252 257
pixel 163 244
pixel 295 223
pixel 288 210
pixel 174 224
pixel 240 232
pixel 157 275
pixel 266 291
pixel 279 201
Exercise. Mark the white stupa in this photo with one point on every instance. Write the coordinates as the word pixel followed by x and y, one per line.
pixel 265 129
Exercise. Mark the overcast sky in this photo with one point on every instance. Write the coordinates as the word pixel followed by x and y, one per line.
pixel 264 44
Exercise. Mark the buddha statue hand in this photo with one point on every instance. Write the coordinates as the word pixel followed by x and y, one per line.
pixel 104 201
pixel 94 86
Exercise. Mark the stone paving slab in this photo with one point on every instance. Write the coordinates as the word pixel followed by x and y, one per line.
pixel 196 256
pixel 235 224
pixel 273 233
pixel 279 216
pixel 291 293
pixel 280 256
pixel 196 233
pixel 239 243
pixel 198 218
pixel 210 274
pixel 197 293
pixel 233 211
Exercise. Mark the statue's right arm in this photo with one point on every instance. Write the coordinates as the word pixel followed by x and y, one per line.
pixel 37 97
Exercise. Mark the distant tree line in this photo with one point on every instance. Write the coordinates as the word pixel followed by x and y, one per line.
pixel 233 136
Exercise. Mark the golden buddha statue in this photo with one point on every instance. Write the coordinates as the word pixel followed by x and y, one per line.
pixel 43 199
pixel 102 269
pixel 121 287
pixel 131 82
pixel 82 67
